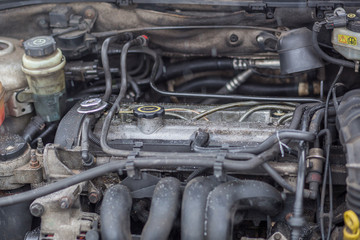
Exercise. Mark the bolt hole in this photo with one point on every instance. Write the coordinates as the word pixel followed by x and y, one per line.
pixel 3 46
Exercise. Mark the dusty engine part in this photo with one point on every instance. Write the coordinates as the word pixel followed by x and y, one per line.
pixel 61 214
pixel 14 153
pixel 178 120
pixel 2 104
pixel 11 75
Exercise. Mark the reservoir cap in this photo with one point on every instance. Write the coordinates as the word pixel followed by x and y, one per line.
pixel 149 111
pixel 40 46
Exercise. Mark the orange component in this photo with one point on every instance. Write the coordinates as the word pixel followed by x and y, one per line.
pixel 2 104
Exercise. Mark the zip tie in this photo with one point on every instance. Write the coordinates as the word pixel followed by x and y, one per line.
pixel 282 145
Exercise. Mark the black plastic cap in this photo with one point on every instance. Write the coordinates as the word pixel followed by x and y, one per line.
pixel 11 146
pixel 40 46
pixel 149 111
pixel 354 26
pixel 296 51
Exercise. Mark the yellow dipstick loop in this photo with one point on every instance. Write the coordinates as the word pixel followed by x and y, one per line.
pixel 351 229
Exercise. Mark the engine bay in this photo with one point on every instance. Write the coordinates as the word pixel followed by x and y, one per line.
pixel 179 120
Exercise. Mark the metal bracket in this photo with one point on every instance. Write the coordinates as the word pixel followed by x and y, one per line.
pixel 219 171
pixel 131 170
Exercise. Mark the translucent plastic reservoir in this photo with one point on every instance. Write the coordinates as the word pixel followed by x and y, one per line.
pixel 346 42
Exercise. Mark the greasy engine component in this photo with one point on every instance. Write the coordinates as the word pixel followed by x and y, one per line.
pixel 12 77
pixel 164 209
pixel 62 216
pixel 71 30
pixel 11 74
pixel 348 125
pixel 115 216
pixel 14 153
pixel 228 198
pixel 179 120
pixel 2 104
pixel 43 65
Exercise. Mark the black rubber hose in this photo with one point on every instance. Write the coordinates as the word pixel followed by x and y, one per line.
pixel 33 128
pixel 297 221
pixel 164 209
pixel 226 199
pixel 176 160
pixel 195 66
pixel 94 138
pixel 106 125
pixel 269 142
pixel 87 158
pixel 227 97
pixel 315 32
pixel 217 82
pixel 51 129
pixel 194 206
pixel 105 61
pixel 115 214
pixel 277 178
pixel 106 66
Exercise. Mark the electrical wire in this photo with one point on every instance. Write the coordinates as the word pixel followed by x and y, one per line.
pixel 341 68
pixel 327 175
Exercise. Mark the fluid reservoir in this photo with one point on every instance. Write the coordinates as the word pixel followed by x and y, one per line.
pixel 346 39
pixel 43 65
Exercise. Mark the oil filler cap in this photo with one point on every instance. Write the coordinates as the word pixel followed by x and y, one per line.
pixel 149 111
pixel 40 46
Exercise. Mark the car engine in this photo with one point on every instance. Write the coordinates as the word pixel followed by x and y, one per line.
pixel 188 120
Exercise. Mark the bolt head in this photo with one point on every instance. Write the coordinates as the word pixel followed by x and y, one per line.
pixel 90 102
pixel 36 209
pixel 277 236
pixel 93 197
pixel 260 39
pixel 65 203
pixel 234 38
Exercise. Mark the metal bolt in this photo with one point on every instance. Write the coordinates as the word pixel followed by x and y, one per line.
pixel 90 13
pixel 260 39
pixel 277 236
pixel 234 38
pixel 34 163
pixel 40 146
pixel 94 197
pixel 43 23
pixel 270 14
pixel 36 209
pixel 91 102
pixel 65 203
pixel 92 105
